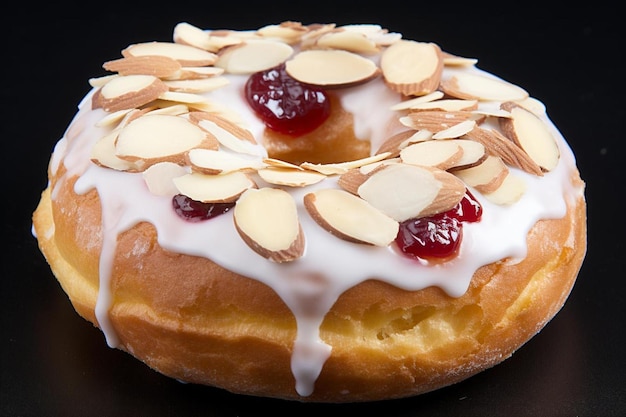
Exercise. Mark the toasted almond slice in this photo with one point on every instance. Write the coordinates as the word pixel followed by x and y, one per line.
pixel 210 161
pixel 441 154
pixel 290 177
pixel 531 134
pixel 267 220
pixel 188 34
pixel 412 68
pixel 455 131
pixel 187 56
pixel 158 138
pixel 350 217
pixel 451 60
pixel 224 188
pixel 435 121
pixel 159 178
pixel 446 105
pixel 253 56
pixel 331 68
pixel 404 191
pixel 158 66
pixel 201 85
pixel 103 154
pixel 407 104
pixel 348 40
pixel 481 87
pixel 194 73
pixel 504 148
pixel 487 176
pixel 127 92
pixel 509 192
pixel 342 167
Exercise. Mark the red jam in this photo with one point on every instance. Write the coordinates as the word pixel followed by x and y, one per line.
pixel 438 237
pixel 284 104
pixel 195 211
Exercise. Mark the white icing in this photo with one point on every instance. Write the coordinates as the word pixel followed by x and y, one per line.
pixel 311 285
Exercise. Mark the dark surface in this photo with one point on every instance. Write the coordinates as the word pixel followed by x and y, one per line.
pixel 55 363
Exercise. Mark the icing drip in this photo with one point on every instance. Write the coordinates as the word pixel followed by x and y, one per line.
pixel 330 266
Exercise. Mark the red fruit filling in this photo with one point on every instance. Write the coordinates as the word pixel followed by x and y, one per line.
pixel 439 236
pixel 195 211
pixel 285 104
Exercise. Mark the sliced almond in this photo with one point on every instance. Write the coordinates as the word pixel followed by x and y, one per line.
pixel 407 104
pixel 455 131
pixel 404 191
pixel 200 85
pixel 290 177
pixel 400 140
pixel 127 92
pixel 188 34
pixel 342 167
pixel 159 178
pixel 441 154
pixel 435 121
pixel 222 188
pixel 158 66
pixel 509 192
pixel 253 56
pixel 474 153
pixel 446 105
pixel 350 217
pixel 481 87
pixel 531 134
pixel 412 68
pixel 348 40
pixel 194 73
pixel 210 161
pixel 331 68
pixel 158 138
pixel 289 32
pixel 504 148
pixel 188 56
pixel 451 60
pixel 267 220
pixel 103 154
pixel 487 176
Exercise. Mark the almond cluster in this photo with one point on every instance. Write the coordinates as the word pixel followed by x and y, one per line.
pixel 183 143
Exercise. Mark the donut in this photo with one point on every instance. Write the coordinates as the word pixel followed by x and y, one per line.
pixel 311 212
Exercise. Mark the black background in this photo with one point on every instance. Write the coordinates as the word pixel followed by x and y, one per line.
pixel 56 364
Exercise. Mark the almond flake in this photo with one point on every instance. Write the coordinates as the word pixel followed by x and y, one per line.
pixel 158 138
pixel 159 178
pixel 531 134
pixel 404 191
pixel 158 66
pixel 267 221
pixel 348 40
pixel 289 32
pixel 194 73
pixel 103 154
pixel 181 97
pixel 435 121
pixel 487 176
pixel 226 132
pixel 504 148
pixel 331 68
pixel 451 60
pixel 101 81
pixel 342 167
pixel 188 34
pixel 441 154
pixel 480 87
pixel 188 56
pixel 127 92
pixel 509 192
pixel 412 68
pixel 222 188
pixel 407 104
pixel 210 161
pixel 201 85
pixel 253 56
pixel 446 105
pixel 394 144
pixel 290 177
pixel 455 131
pixel 350 217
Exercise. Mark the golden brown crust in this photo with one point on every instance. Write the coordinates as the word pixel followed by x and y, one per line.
pixel 218 328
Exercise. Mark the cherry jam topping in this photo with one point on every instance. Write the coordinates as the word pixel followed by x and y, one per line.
pixel 195 211
pixel 284 104
pixel 439 236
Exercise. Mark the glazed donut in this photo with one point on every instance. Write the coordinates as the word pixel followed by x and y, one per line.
pixel 317 213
